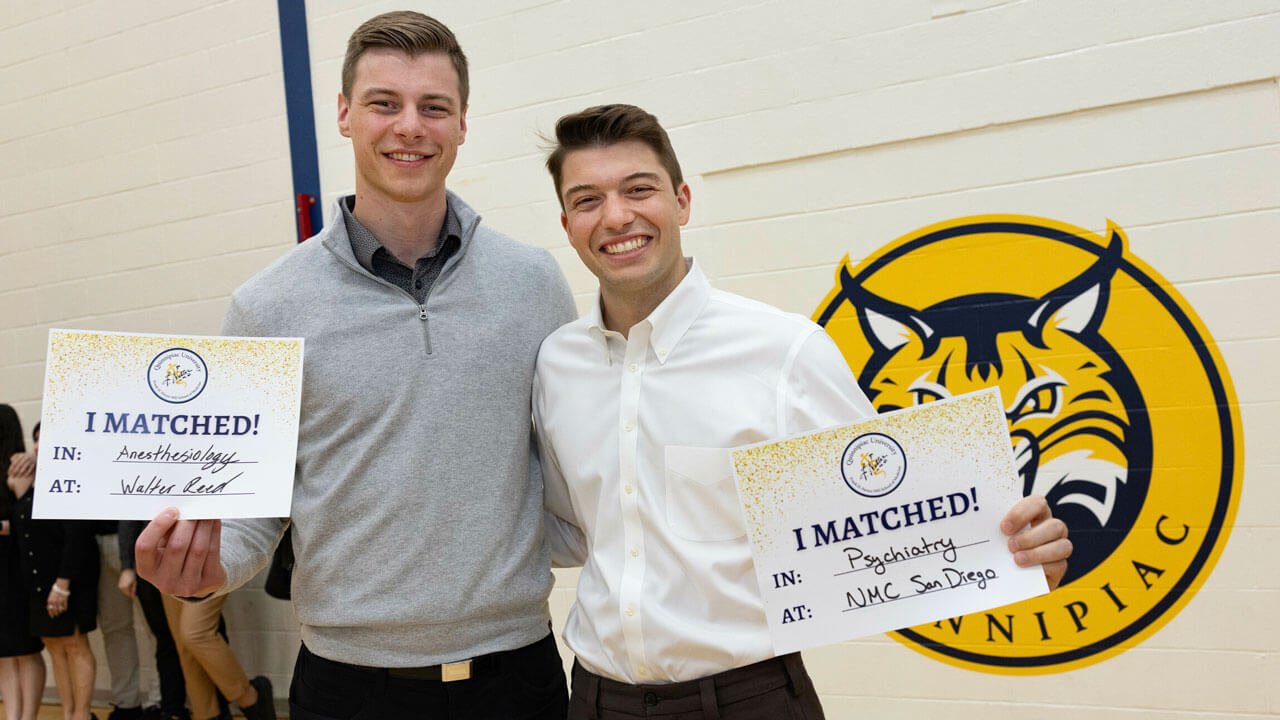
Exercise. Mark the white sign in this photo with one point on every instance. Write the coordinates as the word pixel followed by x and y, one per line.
pixel 133 424
pixel 884 524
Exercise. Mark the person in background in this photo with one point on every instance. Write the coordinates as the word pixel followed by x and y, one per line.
pixel 115 620
pixel 21 667
pixel 58 560
pixel 210 666
pixel 173 692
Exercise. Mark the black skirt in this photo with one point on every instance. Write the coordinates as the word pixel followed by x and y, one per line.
pixel 81 614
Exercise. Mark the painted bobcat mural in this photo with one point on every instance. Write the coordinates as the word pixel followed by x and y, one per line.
pixel 1120 411
pixel 1076 416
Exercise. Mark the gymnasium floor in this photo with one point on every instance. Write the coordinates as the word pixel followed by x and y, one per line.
pixel 54 712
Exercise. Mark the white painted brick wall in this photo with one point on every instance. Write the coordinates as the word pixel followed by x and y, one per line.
pixel 144 174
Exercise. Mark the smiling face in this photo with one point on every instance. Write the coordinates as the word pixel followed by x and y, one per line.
pixel 623 216
pixel 406 120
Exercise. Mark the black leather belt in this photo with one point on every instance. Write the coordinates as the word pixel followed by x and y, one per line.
pixel 448 672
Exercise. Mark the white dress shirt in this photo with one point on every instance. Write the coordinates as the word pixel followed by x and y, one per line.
pixel 633 432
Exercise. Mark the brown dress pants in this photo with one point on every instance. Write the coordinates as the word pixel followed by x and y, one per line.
pixel 774 689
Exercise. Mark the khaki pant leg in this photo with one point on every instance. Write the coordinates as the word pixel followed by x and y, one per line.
pixel 199 628
pixel 201 692
pixel 115 620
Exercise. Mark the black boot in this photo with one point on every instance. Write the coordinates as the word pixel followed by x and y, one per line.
pixel 265 708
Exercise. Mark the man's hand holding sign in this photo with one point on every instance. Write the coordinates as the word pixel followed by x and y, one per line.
pixel 181 557
pixel 1037 538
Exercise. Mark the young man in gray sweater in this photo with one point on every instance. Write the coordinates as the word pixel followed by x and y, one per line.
pixel 421 576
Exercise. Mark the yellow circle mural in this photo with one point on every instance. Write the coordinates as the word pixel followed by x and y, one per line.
pixel 1120 411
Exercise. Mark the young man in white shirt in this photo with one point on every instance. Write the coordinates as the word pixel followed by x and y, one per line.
pixel 669 619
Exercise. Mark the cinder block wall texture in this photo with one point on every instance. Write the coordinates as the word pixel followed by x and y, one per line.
pixel 144 174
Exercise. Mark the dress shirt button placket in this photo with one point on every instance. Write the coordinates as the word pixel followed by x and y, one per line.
pixel 608 339
pixel 633 568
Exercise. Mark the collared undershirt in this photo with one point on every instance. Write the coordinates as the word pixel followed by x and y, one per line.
pixel 375 258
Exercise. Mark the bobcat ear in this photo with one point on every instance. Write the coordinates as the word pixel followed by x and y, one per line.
pixel 1079 305
pixel 1075 315
pixel 884 331
pixel 886 325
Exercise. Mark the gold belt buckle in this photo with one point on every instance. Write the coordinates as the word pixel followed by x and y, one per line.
pixel 450 672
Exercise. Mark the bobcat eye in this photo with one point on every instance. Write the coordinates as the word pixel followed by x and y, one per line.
pixel 1044 401
pixel 925 396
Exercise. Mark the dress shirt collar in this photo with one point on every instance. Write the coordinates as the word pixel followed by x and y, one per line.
pixel 669 321
pixel 365 245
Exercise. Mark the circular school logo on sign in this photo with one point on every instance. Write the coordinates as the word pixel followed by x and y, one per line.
pixel 177 375
pixel 873 465
pixel 1120 411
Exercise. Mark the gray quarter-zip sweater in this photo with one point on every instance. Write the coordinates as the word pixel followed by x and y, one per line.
pixel 417 501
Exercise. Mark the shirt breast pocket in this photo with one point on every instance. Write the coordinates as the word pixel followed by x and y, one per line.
pixel 702 500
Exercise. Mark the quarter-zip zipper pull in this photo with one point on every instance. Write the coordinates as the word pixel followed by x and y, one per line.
pixel 426 327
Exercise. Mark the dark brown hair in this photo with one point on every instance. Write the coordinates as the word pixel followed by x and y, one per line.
pixel 410 32
pixel 605 125
pixel 10 439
